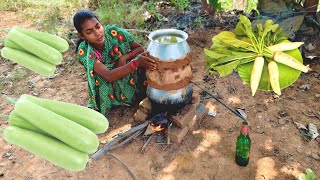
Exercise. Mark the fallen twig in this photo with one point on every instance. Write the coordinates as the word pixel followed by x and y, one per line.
pixel 128 169
pixel 145 144
pixel 136 134
pixel 309 115
pixel 119 137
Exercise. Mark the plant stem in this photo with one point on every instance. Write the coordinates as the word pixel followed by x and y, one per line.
pixel 254 45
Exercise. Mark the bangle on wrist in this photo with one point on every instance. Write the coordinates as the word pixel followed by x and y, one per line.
pixel 133 65
pixel 131 54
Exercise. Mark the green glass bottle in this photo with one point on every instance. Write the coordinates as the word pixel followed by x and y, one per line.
pixel 243 146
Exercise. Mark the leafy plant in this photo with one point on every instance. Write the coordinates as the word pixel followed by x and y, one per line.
pixel 151 7
pixel 241 49
pixel 198 21
pixel 122 14
pixel 227 5
pixel 181 4
pixel 216 4
pixel 251 5
pixel 232 49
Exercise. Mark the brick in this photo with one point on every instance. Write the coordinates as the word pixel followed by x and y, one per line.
pixel 184 116
pixel 140 116
pixel 177 134
pixel 145 105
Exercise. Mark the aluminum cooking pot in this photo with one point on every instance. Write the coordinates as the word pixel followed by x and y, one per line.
pixel 171 83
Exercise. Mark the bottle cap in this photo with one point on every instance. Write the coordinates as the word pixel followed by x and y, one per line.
pixel 245 129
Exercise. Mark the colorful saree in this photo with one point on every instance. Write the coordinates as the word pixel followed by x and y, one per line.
pixel 103 96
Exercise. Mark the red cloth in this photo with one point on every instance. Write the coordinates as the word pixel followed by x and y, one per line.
pixel 98 54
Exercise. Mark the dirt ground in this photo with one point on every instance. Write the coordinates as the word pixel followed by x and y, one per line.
pixel 207 151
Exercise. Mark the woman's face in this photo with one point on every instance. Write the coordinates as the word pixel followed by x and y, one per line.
pixel 93 32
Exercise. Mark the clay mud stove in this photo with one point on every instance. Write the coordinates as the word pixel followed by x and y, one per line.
pixel 170 106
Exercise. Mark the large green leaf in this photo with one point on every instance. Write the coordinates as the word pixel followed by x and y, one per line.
pixel 224 35
pixel 243 54
pixel 213 54
pixel 237 43
pixel 219 44
pixel 240 30
pixel 292 25
pixel 287 75
pixel 245 39
pixel 216 5
pixel 272 7
pixel 231 58
pixel 247 26
pixel 225 69
pixel 210 60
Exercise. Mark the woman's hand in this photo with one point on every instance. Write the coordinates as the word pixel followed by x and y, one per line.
pixel 146 62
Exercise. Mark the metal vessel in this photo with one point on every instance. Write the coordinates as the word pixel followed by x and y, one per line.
pixel 170 85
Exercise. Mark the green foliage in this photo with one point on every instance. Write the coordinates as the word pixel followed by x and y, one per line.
pixel 14 5
pixel 251 5
pixel 181 4
pixel 198 21
pixel 51 19
pixel 139 38
pixel 216 4
pixel 228 5
pixel 238 50
pixel 47 15
pixel 151 7
pixel 126 15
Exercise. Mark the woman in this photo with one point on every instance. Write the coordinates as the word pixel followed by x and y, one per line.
pixel 115 64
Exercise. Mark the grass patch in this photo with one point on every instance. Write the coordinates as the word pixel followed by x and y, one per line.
pixel 122 14
pixel 18 75
pixel 181 5
pixel 50 16
pixel 14 5
pixel 128 15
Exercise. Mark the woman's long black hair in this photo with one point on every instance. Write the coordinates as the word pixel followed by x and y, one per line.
pixel 78 20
